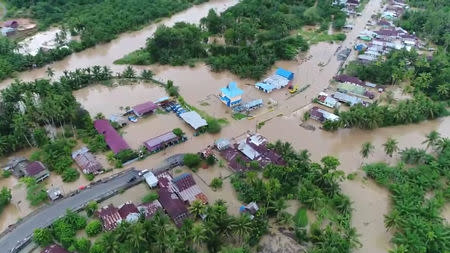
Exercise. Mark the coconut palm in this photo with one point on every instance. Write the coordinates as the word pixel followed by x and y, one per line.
pixel 197 208
pixel 367 149
pixel 432 138
pixel 110 243
pixel 50 72
pixel 390 147
pixel 392 220
pixel 243 227
pixel 399 249
pixel 442 144
pixel 198 234
pixel 136 237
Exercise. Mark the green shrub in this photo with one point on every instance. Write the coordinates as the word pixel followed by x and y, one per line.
pixel 301 217
pixel 90 208
pixel 126 155
pixel 213 126
pixel 210 160
pixel 150 197
pixel 5 198
pixel 94 228
pixel 192 160
pixel 42 237
pixel 6 173
pixel 216 183
pixel 178 132
pixel 70 175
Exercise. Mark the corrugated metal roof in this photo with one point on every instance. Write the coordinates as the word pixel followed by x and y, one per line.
pixel 115 142
pixel 193 119
pixel 231 90
pixel 285 73
pixel 144 108
pixel 163 138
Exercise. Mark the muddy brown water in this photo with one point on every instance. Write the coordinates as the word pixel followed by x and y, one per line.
pixel 199 87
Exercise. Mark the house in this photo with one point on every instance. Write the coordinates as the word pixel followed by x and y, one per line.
pixel 231 95
pixel 129 212
pixel 206 152
pixel 354 89
pixel 222 144
pixel 279 80
pixel 87 162
pixel 352 2
pixel 161 142
pixel 365 58
pixel 54 193
pixel 348 79
pixel 322 115
pixel 345 98
pixel 384 23
pixel 115 142
pixel 110 217
pixel 8 31
pixel 11 23
pixel 169 199
pixel 188 190
pixel 387 34
pixel 37 171
pixel 151 179
pixel 250 208
pixel 149 209
pixel 145 108
pixel 328 101
pixel 193 119
pixel 254 148
pixel 54 248
pixel 17 166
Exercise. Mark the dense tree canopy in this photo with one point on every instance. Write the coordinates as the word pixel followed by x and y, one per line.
pixel 428 75
pixel 429 19
pixel 415 219
pixel 255 34
pixel 5 197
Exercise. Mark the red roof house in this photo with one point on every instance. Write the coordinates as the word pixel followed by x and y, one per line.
pixel 170 201
pixel 348 79
pixel 129 212
pixel 188 190
pixel 110 217
pixel 115 142
pixel 36 170
pixel 54 248
pixel 150 209
pixel 144 108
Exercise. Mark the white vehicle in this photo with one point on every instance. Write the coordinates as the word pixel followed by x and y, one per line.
pixel 349 27
pixel 142 172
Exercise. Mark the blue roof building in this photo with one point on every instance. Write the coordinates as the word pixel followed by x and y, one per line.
pixel 267 88
pixel 285 73
pixel 231 94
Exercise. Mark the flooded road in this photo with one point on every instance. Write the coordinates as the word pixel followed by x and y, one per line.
pixel 199 87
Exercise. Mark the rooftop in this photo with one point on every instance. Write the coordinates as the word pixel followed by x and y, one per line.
pixel 129 212
pixel 34 168
pixel 144 108
pixel 110 216
pixel 348 79
pixel 231 90
pixel 86 161
pixel 193 119
pixel 112 137
pixel 55 248
pixel 285 73
pixel 150 209
pixel 155 141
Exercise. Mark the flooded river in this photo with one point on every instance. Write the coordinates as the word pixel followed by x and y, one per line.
pixel 199 87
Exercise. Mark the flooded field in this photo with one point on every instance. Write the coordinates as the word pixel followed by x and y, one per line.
pixel 44 40
pixel 93 97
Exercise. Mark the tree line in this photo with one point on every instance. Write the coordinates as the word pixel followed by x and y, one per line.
pixel 428 75
pixel 316 186
pixel 255 34
pixel 429 19
pixel 404 112
pixel 415 218
pixel 218 232
pixel 96 22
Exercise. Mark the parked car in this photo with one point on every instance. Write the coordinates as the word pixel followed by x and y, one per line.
pixel 132 179
pixel 142 172
pixel 132 119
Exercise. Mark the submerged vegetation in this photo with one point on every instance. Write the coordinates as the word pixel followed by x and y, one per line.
pixel 255 33
pixel 419 193
pixel 5 198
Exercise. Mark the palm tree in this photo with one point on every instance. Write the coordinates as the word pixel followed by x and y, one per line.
pixel 390 147
pixel 110 243
pixel 442 144
pixel 50 72
pixel 243 227
pixel 432 138
pixel 197 208
pixel 392 220
pixel 399 249
pixel 198 234
pixel 136 237
pixel 443 90
pixel 367 149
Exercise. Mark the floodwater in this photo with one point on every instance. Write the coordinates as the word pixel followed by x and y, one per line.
pixel 93 97
pixel 199 87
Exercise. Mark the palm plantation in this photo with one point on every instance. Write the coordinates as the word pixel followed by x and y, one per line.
pixel 390 147
pixel 367 149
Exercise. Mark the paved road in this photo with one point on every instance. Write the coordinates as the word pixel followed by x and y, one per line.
pixel 48 214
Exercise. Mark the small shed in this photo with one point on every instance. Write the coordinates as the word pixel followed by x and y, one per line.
pixel 120 120
pixel 150 179
pixel 54 193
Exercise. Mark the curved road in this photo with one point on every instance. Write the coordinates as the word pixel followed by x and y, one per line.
pixel 47 215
